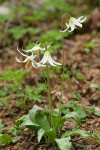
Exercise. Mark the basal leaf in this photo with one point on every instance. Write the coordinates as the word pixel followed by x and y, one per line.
pixel 80 132
pixel 40 134
pixel 64 143
pixel 73 115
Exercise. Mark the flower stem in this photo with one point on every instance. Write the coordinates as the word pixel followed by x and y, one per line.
pixel 49 95
pixel 63 55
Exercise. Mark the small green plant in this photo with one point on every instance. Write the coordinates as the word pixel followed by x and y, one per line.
pixel 48 122
pixel 5 138
pixel 96 86
pixel 4 100
pixel 77 96
pixel 73 105
pixel 38 119
pixel 30 94
pixel 14 76
pixel 94 110
pixel 4 18
pixel 77 75
pixel 89 46
pixel 23 31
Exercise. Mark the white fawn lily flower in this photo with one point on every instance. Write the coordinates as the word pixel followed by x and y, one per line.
pixel 74 23
pixel 48 59
pixel 28 59
pixel 36 49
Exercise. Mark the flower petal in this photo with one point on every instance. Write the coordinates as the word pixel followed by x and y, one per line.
pixel 66 28
pixel 53 62
pixel 81 20
pixel 34 64
pixel 28 50
pixel 44 60
pixel 20 52
pixel 72 27
pixel 50 60
pixel 56 63
pixel 77 23
pixel 21 61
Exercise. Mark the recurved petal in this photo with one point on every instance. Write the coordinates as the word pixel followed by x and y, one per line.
pixel 53 62
pixel 81 20
pixel 34 64
pixel 56 63
pixel 21 61
pixel 50 60
pixel 20 52
pixel 64 30
pixel 28 50
pixel 67 25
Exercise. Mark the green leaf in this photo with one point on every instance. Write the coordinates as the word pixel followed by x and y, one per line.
pixel 96 86
pixel 77 96
pixel 51 134
pixel 1 127
pixel 80 132
pixel 13 131
pixel 40 134
pixel 23 30
pixel 42 121
pixel 16 139
pixel 18 122
pixel 79 109
pixel 28 122
pixel 4 100
pixel 64 143
pixel 81 112
pixel 5 139
pixel 33 111
pixel 97 113
pixel 94 110
pixel 73 115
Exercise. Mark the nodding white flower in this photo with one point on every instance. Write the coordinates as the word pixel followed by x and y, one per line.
pixel 36 49
pixel 74 23
pixel 48 59
pixel 28 59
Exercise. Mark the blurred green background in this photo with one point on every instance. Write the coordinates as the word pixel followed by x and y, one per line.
pixel 26 21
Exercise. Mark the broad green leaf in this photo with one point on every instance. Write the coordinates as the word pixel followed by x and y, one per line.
pixel 81 112
pixel 51 134
pixel 73 115
pixel 37 116
pixel 28 122
pixel 64 143
pixel 79 109
pixel 33 111
pixel 40 134
pixel 42 121
pixel 79 132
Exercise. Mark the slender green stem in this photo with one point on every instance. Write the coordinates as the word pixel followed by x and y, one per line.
pixel 49 95
pixel 63 60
